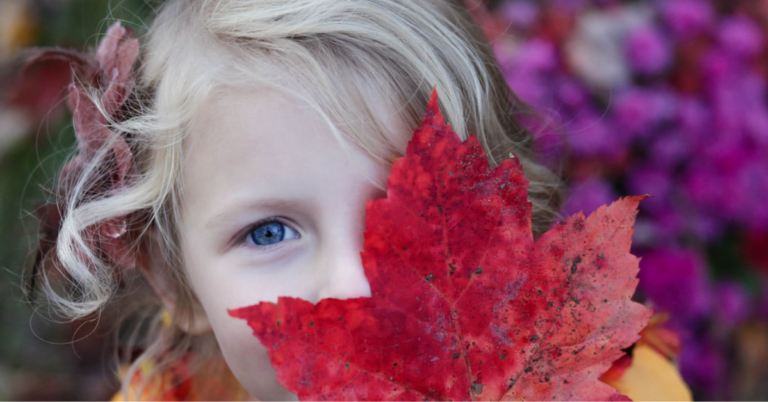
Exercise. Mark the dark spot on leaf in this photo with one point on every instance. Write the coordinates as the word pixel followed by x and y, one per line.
pixel 430 278
pixel 504 356
pixel 534 338
pixel 477 388
pixel 528 369
pixel 479 270
pixel 311 323
pixel 577 351
pixel 394 364
pixel 539 292
pixel 278 323
pixel 451 268
pixel 440 209
pixel 347 365
pixel 455 355
pixel 574 266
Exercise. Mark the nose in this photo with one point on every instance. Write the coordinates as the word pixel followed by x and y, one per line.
pixel 340 275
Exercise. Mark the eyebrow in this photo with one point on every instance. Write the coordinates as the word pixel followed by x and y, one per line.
pixel 230 211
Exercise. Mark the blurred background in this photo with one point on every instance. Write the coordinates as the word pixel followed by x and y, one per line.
pixel 663 97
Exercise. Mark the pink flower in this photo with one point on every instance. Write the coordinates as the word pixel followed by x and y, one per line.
pixel 704 366
pixel 669 149
pixel 703 225
pixel 668 223
pixel 572 94
pixel 675 280
pixel 741 36
pixel 638 111
pixel 592 134
pixel 732 304
pixel 703 186
pixel 687 18
pixel 528 71
pixel 648 51
pixel 694 119
pixel 523 14
pixel 650 180
pixel 588 196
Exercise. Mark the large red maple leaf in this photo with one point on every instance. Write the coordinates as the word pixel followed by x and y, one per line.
pixel 465 305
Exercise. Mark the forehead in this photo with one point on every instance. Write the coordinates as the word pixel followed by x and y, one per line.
pixel 250 143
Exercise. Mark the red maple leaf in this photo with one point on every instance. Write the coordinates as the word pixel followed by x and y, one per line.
pixel 465 305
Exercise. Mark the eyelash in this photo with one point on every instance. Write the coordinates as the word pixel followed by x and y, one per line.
pixel 245 238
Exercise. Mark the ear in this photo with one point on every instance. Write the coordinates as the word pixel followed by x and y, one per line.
pixel 168 289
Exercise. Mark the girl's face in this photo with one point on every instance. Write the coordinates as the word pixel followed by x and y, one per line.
pixel 272 207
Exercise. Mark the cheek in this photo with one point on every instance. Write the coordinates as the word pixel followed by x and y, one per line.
pixel 221 284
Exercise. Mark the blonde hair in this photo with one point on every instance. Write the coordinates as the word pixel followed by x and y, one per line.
pixel 335 55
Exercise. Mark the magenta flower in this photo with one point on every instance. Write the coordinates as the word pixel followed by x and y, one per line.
pixel 703 366
pixel 732 304
pixel 528 70
pixel 718 66
pixel 668 222
pixel 650 180
pixel 538 55
pixel 592 134
pixel 694 119
pixel 704 226
pixel 587 196
pixel 669 150
pixel 704 187
pixel 687 18
pixel 675 280
pixel 572 94
pixel 522 14
pixel 638 111
pixel 751 190
pixel 741 36
pixel 648 50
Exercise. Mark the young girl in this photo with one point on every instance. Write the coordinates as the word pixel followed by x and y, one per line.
pixel 235 166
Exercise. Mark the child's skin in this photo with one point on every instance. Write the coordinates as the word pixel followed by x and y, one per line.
pixel 259 146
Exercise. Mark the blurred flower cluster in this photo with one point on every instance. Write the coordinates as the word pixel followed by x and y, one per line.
pixel 668 98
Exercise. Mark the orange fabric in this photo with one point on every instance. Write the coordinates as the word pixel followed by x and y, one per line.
pixel 215 383
pixel 646 376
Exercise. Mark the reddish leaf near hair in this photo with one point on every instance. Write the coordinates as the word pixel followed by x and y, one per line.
pixel 465 304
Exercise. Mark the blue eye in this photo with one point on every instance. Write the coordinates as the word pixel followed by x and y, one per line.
pixel 270 232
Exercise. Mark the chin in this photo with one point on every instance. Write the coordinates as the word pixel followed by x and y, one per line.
pixel 249 362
